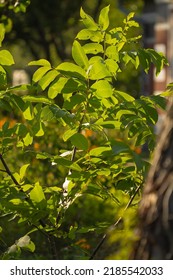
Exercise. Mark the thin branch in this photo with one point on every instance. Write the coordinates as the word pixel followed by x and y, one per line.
pixel 114 225
pixel 8 170
pixel 42 223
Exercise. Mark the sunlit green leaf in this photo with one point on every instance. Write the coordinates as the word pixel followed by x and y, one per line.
pixel 71 70
pixel 6 58
pixel 40 62
pixel 64 86
pixel 102 89
pixel 88 21
pixel 28 111
pixel 38 74
pixel 69 133
pixel 93 48
pixel 28 139
pixel 37 99
pixel 23 171
pixel 99 151
pixel 112 66
pixel 112 53
pixel 79 55
pixel 47 79
pixel 94 36
pixel 98 70
pixel 104 18
pixel 37 196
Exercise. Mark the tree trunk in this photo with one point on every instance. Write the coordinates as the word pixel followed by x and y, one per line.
pixel 156 207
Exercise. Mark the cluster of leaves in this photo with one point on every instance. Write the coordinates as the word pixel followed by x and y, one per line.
pixel 8 7
pixel 80 97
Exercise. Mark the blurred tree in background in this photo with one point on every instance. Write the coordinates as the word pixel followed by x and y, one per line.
pixel 48 28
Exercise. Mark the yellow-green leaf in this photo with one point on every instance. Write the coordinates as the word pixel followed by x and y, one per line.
pixel 79 55
pixel 104 18
pixel 6 58
pixel 102 89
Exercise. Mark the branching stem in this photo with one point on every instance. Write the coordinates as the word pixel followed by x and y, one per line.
pixel 104 237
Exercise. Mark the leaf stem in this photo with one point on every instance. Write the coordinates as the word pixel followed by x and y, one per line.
pixel 104 237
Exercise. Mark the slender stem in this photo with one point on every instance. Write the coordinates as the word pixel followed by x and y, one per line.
pixel 114 225
pixel 42 223
pixel 8 170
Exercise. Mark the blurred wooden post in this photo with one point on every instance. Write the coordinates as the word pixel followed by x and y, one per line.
pixel 156 207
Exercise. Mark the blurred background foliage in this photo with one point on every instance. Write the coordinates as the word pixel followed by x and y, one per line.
pixel 47 30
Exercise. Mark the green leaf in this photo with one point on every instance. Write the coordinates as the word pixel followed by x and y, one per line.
pixel 159 101
pixel 61 113
pixel 94 36
pixel 112 53
pixel 6 58
pixel 93 48
pixel 119 147
pixel 37 196
pixel 150 111
pixel 3 78
pixel 40 73
pixel 65 86
pixel 109 124
pixel 130 15
pixel 38 129
pixel 88 21
pixel 56 87
pixel 23 171
pixel 18 102
pixel 40 62
pixel 144 59
pixel 103 172
pixel 98 70
pixel 47 79
pixel 79 141
pixel 28 139
pixel 96 152
pixel 47 114
pixel 37 99
pixel 79 55
pixel 2 33
pixel 123 96
pixel 158 60
pixel 121 113
pixel 73 101
pixel 69 133
pixel 71 70
pixel 112 66
pixel 28 111
pixel 104 18
pixel 102 89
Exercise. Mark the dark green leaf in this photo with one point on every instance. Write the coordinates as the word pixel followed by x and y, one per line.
pixel 79 141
